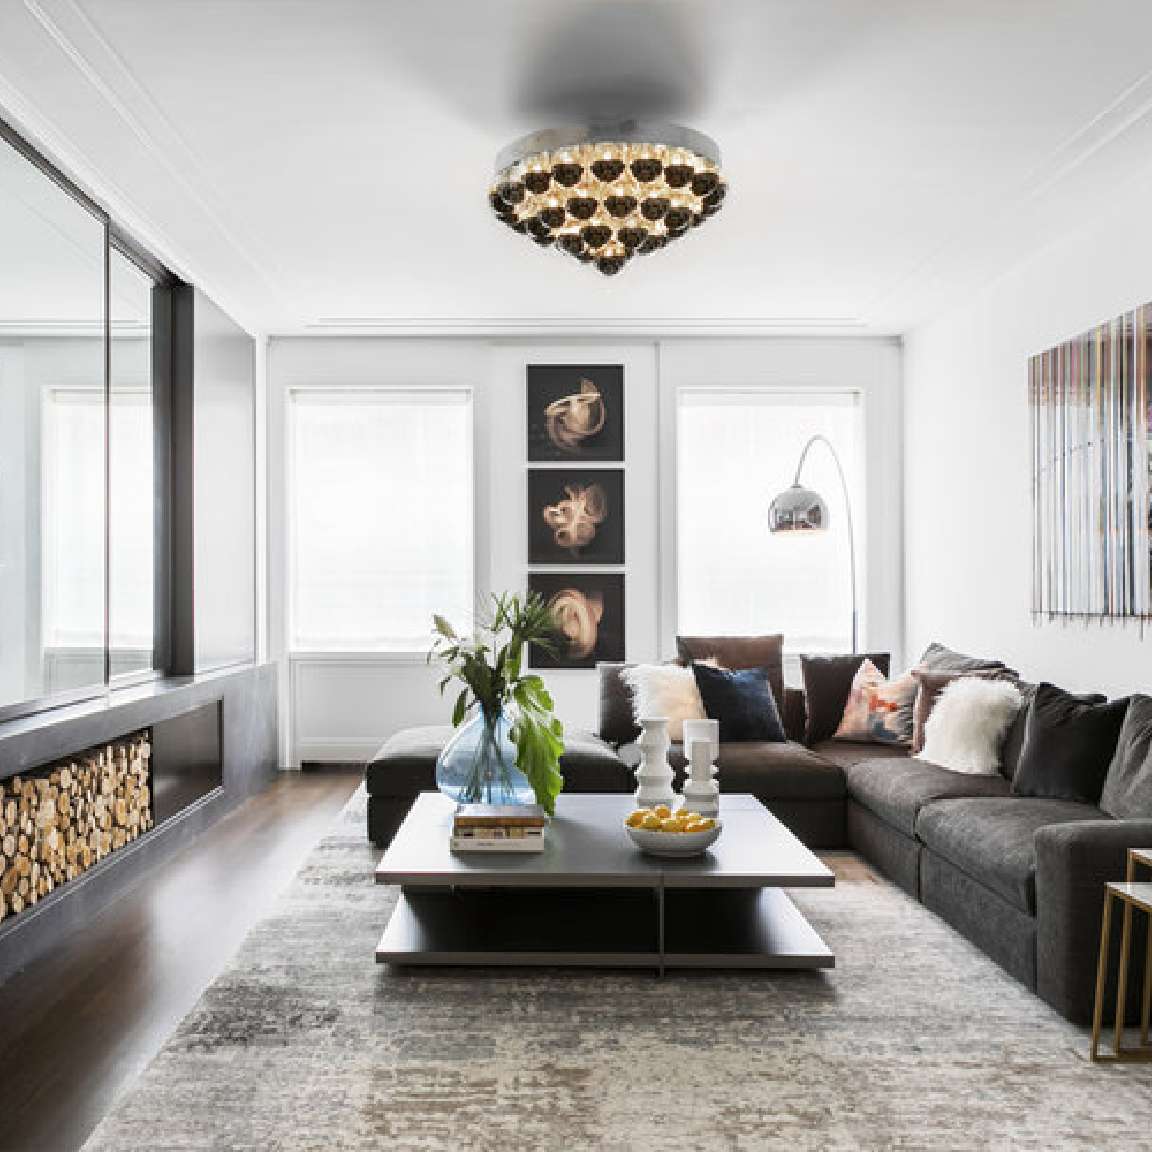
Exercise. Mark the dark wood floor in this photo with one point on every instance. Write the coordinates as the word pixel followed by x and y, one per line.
pixel 77 1026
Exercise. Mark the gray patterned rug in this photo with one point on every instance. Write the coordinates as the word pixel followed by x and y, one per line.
pixel 915 1041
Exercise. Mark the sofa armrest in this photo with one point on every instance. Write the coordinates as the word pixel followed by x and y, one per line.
pixel 1073 864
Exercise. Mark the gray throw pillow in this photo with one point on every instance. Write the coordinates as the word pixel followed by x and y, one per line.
pixel 938 658
pixel 1127 790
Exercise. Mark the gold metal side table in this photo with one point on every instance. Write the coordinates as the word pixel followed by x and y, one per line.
pixel 1132 895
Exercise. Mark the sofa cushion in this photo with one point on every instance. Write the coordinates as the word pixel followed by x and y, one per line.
pixel 771 770
pixel 1128 786
pixel 617 720
pixel 827 682
pixel 1014 741
pixel 406 763
pixel 668 690
pixel 938 658
pixel 878 709
pixel 1068 746
pixel 896 790
pixel 739 652
pixel 931 684
pixel 993 839
pixel 741 701
pixel 845 752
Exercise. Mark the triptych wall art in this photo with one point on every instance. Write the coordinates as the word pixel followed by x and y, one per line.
pixel 1091 406
pixel 575 422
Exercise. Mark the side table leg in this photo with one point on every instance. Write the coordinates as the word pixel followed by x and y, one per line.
pixel 1122 977
pixel 1101 973
pixel 1146 1010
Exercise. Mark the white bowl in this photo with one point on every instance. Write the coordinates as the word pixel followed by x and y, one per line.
pixel 674 843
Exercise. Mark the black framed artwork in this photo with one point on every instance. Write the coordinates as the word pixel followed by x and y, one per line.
pixel 575 412
pixel 575 515
pixel 589 611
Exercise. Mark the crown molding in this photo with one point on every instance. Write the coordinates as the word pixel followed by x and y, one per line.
pixel 645 328
pixel 67 25
pixel 1000 215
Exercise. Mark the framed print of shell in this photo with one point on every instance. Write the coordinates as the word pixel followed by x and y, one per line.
pixel 575 413
pixel 589 613
pixel 1090 402
pixel 575 516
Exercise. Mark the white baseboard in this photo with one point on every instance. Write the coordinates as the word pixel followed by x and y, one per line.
pixel 337 749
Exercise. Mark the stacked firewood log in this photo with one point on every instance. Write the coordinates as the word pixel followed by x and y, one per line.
pixel 57 822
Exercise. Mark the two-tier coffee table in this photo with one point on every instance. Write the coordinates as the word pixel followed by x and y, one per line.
pixel 591 898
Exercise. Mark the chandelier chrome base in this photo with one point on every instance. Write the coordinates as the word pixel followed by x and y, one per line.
pixel 607 191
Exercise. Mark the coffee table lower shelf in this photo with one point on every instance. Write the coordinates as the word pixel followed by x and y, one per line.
pixel 608 928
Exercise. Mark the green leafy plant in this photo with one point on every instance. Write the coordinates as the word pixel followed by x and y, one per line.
pixel 490 668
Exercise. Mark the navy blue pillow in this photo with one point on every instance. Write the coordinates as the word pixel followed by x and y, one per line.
pixel 742 701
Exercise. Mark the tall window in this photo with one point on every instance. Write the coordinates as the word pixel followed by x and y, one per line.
pixel 381 516
pixel 736 449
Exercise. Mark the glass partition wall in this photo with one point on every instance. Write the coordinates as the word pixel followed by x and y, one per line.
pixel 78 571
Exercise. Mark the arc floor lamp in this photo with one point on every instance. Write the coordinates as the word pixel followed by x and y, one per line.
pixel 800 509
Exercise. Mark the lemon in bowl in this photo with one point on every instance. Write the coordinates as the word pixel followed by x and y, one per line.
pixel 661 832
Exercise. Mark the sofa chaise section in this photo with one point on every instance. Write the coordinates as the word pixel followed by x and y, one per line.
pixel 405 766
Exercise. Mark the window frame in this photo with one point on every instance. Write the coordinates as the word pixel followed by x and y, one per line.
pixel 116 239
pixel 321 391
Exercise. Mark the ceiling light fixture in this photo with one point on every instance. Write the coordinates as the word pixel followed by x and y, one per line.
pixel 604 193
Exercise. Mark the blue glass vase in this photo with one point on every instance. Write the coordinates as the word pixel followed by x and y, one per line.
pixel 478 765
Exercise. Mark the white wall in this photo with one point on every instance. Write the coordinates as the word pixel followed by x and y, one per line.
pixel 339 706
pixel 968 456
pixel 225 488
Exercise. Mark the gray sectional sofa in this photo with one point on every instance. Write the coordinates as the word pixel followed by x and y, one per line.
pixel 1021 877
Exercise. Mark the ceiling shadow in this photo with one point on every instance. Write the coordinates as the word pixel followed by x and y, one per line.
pixel 599 61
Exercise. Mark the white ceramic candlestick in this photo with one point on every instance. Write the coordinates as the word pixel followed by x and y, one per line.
pixel 654 774
pixel 701 792
pixel 703 730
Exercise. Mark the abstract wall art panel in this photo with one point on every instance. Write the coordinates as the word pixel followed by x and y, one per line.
pixel 589 614
pixel 575 412
pixel 1089 400
pixel 575 516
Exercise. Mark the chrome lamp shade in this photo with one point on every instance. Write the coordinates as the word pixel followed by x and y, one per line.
pixel 798 509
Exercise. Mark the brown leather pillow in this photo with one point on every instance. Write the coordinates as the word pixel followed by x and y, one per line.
pixel 932 683
pixel 739 652
pixel 827 682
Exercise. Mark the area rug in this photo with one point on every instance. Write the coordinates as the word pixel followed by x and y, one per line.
pixel 914 1041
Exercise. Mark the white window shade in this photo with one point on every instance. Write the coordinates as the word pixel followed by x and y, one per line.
pixel 380 516
pixel 73 519
pixel 736 450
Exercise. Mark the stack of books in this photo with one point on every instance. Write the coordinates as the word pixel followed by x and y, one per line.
pixel 499 828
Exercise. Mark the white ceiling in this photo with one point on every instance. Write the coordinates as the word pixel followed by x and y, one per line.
pixel 322 165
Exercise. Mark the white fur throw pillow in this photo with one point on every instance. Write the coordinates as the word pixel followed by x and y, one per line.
pixel 967 727
pixel 667 690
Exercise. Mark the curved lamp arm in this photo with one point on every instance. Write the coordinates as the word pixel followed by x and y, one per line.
pixel 819 438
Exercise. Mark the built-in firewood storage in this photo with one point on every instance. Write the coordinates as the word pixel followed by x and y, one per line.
pixel 59 820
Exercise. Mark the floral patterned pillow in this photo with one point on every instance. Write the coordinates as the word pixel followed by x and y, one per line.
pixel 879 710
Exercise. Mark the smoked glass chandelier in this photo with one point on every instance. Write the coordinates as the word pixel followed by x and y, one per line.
pixel 605 193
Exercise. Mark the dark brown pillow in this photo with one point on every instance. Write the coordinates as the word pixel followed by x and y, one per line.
pixel 827 682
pixel 931 685
pixel 737 652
